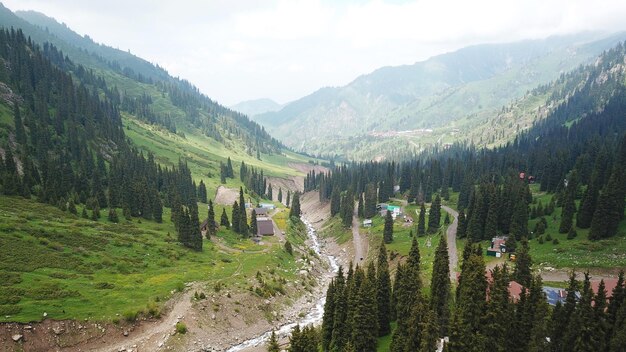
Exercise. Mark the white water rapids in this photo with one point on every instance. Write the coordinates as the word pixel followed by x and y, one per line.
pixel 315 314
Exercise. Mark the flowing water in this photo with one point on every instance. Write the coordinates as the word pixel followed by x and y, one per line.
pixel 314 316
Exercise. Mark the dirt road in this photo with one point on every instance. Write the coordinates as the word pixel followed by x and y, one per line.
pixel 360 245
pixel 152 336
pixel 451 238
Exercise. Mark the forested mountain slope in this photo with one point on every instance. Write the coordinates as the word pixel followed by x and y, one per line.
pixel 453 92
pixel 146 91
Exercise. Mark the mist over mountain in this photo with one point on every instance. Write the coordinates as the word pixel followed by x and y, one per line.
pixel 471 82
pixel 256 106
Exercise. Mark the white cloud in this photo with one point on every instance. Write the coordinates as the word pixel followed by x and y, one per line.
pixel 245 49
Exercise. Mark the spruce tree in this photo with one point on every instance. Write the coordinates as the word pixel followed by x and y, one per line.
pixel 421 222
pixel 462 225
pixel 369 208
pixel 440 286
pixel 335 202
pixel 224 219
pixel 202 196
pixel 360 207
pixel 383 292
pixel 236 217
pixel 388 230
pixel 340 327
pixel 272 344
pixel 288 198
pixel 587 206
pixel 211 227
pixel 280 195
pixel 113 215
pixel 499 309
pixel 253 224
pixel 569 206
pixel 329 315
pixel 365 319
pixel 434 216
pixel 523 263
pixel 295 211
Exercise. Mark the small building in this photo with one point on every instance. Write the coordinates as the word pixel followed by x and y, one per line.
pixel 554 295
pixel 381 206
pixel 498 247
pixel 260 211
pixel 268 206
pixel 265 226
pixel 367 223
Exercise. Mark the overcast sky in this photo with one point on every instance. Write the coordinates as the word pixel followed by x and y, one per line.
pixel 236 50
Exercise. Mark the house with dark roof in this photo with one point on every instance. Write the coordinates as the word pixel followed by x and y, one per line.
pixel 498 247
pixel 265 226
pixel 260 212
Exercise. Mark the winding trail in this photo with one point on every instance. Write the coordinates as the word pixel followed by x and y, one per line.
pixel 360 246
pixel 451 238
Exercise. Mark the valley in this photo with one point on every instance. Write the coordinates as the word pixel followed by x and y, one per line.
pixel 470 200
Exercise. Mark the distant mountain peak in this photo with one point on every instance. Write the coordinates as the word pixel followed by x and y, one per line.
pixel 256 106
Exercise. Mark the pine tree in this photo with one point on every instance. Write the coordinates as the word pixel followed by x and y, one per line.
pixel 388 230
pixel 406 296
pixel 288 198
pixel 434 216
pixel 295 206
pixel 95 214
pixel 383 292
pixel 280 195
pixel 272 344
pixel 440 286
pixel 340 328
pixel 587 205
pixel 211 227
pixel 365 320
pixel 329 315
pixel 84 214
pixel 202 196
pixel 229 169
pixel 421 222
pixel 253 224
pixel 288 247
pixel 523 263
pixel 610 208
pixel 113 215
pixel 369 208
pixel 335 202
pixel 499 310
pixel 224 219
pixel 71 207
pixel 519 221
pixel 243 218
pixel 461 228
pixel 569 206
pixel 236 217
pixel 471 302
pixel 360 207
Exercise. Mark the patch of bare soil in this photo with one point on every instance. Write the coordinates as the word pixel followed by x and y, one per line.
pixel 292 184
pixel 306 168
pixel 315 212
pixel 563 274
pixel 226 196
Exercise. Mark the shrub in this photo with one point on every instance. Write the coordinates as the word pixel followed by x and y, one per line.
pixel 540 240
pixel 104 286
pixel 572 233
pixel 180 287
pixel 153 309
pixel 181 328
pixel 130 315
pixel 289 248
pixel 555 241
pixel 548 237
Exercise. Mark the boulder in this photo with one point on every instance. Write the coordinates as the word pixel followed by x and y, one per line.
pixel 17 337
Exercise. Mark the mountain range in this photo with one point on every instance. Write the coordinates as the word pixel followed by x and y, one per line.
pixel 445 91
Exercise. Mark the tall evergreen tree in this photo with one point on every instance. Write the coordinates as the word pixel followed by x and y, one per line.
pixel 462 225
pixel 224 219
pixel 202 196
pixel 295 211
pixel 421 222
pixel 383 292
pixel 236 217
pixel 272 344
pixel 388 230
pixel 569 206
pixel 440 286
pixel 253 224
pixel 211 226
pixel 365 319
pixel 523 263
pixel 434 216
